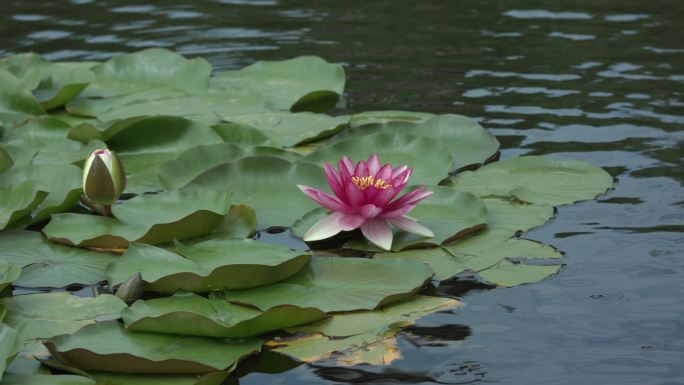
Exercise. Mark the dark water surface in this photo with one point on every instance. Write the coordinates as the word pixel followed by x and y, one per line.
pixel 601 81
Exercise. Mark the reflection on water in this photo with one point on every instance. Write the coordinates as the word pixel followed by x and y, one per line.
pixel 600 81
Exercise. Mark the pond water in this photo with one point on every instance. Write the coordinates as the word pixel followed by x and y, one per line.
pixel 600 81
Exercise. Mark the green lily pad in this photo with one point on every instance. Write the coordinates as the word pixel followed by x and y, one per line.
pixel 62 83
pixel 384 117
pixel 19 200
pixel 47 264
pixel 268 184
pixel 290 129
pixel 9 272
pixel 45 379
pixel 109 347
pixel 191 314
pixel 43 315
pixel 239 223
pixel 243 135
pixel 209 265
pixel 380 320
pixel 449 213
pixel 61 181
pixel 215 378
pixel 16 102
pixel 9 346
pixel 5 160
pixel 27 67
pixel 508 217
pixel 178 172
pixel 367 348
pixel 147 69
pixel 305 83
pixel 507 273
pixel 146 143
pixel 431 161
pixel 467 142
pixel 340 284
pixel 537 179
pixel 156 218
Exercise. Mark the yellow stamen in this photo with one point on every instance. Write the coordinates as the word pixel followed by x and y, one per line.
pixel 368 181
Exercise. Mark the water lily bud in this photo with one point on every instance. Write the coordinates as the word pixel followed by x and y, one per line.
pixel 104 178
pixel 131 289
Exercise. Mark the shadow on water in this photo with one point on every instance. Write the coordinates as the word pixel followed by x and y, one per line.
pixel 600 81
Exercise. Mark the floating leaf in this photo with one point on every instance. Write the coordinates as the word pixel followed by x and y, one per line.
pixel 9 346
pixel 62 83
pixel 340 284
pixel 239 223
pixel 305 83
pixel 28 68
pixel 149 68
pixel 380 320
pixel 209 265
pixel 108 346
pixel 153 219
pixel 268 184
pixel 47 264
pixel 243 135
pixel 508 273
pixel 5 160
pixel 43 315
pixel 61 182
pixel 290 129
pixel 368 348
pixel 467 142
pixel 395 149
pixel 178 172
pixel 537 179
pixel 9 272
pixel 191 314
pixel 18 200
pixel 16 102
pixel 506 217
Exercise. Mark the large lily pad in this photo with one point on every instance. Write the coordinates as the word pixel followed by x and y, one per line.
pixel 305 83
pixel 449 213
pixel 380 320
pixel 384 117
pixel 48 264
pixel 181 170
pixel 19 200
pixel 191 314
pixel 290 129
pixel 537 179
pixel 9 272
pixel 214 378
pixel 9 346
pixel 507 217
pixel 268 184
pixel 340 284
pixel 431 161
pixel 156 218
pixel 61 182
pixel 150 68
pixel 44 315
pixel 108 346
pixel 209 265
pixel 467 142
pixel 16 102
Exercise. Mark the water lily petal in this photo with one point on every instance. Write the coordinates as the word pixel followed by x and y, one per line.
pixel 324 199
pixel 384 173
pixel 355 197
pixel 411 225
pixel 369 211
pixel 334 180
pixel 361 169
pixel 350 222
pixel 402 177
pixel 397 212
pixel 373 165
pixel 325 228
pixel 398 171
pixel 347 164
pixel 411 198
pixel 378 232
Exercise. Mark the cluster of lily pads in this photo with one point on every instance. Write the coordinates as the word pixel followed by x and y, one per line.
pixel 212 164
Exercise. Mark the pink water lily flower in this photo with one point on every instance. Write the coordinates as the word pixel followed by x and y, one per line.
pixel 363 198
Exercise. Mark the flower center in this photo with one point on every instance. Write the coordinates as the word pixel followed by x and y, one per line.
pixel 368 181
